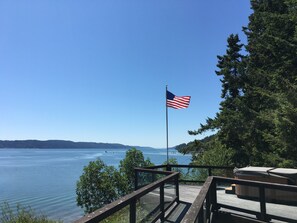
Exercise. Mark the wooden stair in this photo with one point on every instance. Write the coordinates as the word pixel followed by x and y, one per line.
pixel 230 190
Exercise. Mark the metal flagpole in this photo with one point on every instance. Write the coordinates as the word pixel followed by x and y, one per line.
pixel 166 124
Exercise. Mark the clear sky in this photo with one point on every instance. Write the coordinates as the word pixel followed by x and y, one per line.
pixel 96 70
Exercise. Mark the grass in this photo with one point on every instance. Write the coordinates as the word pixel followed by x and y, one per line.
pixel 143 214
pixel 22 215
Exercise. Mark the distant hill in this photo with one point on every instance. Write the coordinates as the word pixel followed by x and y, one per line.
pixel 57 144
pixel 195 146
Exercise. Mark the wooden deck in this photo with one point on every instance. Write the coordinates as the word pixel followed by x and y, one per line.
pixel 188 194
pixel 160 200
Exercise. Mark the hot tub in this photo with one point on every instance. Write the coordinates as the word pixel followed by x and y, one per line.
pixel 270 175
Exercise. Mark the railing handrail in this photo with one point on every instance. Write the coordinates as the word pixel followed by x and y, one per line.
pixel 169 167
pixel 153 171
pixel 155 167
pixel 257 183
pixel 201 166
pixel 190 166
pixel 113 207
pixel 197 205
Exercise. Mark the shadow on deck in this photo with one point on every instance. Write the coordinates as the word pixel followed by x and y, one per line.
pixel 187 195
pixel 226 217
pixel 177 214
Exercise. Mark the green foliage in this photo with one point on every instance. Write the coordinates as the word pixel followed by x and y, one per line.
pixel 133 158
pixel 171 161
pixel 143 210
pixel 272 85
pixel 215 154
pixel 196 147
pixel 99 185
pixel 22 215
pixel 192 147
pixel 257 121
pixel 120 216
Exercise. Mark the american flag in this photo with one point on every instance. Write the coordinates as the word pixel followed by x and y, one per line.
pixel 177 102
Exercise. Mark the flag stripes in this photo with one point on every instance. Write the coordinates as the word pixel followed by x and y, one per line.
pixel 177 102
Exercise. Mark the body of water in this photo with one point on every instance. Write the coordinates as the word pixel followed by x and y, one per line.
pixel 45 179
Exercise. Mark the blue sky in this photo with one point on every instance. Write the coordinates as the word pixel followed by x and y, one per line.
pixel 97 70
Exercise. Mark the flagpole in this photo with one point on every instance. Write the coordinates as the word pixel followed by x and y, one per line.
pixel 166 123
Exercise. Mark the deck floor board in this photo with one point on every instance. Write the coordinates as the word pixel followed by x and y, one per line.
pixel 188 194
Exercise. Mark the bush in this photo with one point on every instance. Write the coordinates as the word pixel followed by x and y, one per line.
pixel 99 185
pixel 22 215
pixel 133 158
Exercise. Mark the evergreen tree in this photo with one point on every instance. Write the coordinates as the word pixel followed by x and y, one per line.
pixel 270 96
pixel 258 115
pixel 229 121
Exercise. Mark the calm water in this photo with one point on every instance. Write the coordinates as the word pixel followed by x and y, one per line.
pixel 45 179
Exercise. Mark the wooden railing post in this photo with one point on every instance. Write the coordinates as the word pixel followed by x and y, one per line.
pixel 213 195
pixel 207 206
pixel 162 217
pixel 133 211
pixel 153 177
pixel 200 216
pixel 135 179
pixel 262 202
pixel 177 188
pixel 209 171
pixel 168 167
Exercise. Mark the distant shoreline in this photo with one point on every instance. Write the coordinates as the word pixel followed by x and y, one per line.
pixel 63 144
pixel 57 144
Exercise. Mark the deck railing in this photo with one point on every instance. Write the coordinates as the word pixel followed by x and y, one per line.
pixel 148 203
pixel 206 205
pixel 196 173
pixel 156 190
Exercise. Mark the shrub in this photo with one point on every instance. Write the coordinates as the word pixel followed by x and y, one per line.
pixel 99 185
pixel 22 215
pixel 133 158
